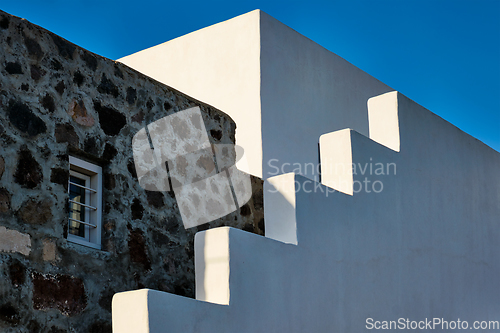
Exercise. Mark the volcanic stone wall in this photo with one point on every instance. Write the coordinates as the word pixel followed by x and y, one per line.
pixel 56 100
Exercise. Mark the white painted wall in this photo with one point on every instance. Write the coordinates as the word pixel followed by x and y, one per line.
pixel 426 246
pixel 282 89
pixel 306 91
pixel 218 65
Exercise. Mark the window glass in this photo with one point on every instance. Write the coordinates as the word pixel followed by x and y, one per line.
pixel 77 212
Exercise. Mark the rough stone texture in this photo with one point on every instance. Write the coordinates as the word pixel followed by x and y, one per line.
pixel 155 199
pixel 36 212
pixel 14 241
pixel 109 152
pixel 48 103
pixel 9 314
pixel 78 111
pixel 4 201
pixel 28 172
pixel 24 119
pixel 17 273
pixel 13 68
pixel 37 72
pixel 66 133
pixel 68 101
pixel 49 250
pixel 110 119
pixel 137 248
pixel 62 292
pixel 2 166
pixel 59 176
pixel 137 209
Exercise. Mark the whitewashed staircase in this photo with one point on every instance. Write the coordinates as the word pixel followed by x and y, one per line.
pixel 426 245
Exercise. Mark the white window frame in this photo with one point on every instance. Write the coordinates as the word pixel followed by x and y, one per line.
pixel 93 179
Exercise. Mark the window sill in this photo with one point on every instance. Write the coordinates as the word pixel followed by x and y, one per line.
pixel 78 240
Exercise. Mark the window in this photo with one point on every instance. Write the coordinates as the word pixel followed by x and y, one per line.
pixel 85 203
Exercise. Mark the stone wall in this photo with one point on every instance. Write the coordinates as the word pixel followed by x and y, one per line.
pixel 56 100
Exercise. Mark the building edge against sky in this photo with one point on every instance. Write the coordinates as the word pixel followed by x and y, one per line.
pixel 281 88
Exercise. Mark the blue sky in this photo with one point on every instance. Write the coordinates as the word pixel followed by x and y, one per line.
pixel 443 54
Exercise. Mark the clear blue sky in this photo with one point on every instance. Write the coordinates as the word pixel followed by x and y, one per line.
pixel 443 54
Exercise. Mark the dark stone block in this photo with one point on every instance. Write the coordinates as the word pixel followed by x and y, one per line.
pixel 167 106
pixel 4 200
pixel 60 87
pixel 118 72
pixel 150 104
pixel 245 210
pixel 137 248
pixel 131 168
pixel 37 72
pixel 35 212
pixel 131 95
pixel 172 225
pixel 48 103
pixel 105 300
pixel 91 146
pixel 65 229
pixel 203 227
pixel 109 181
pixel 109 152
pixel 249 227
pixel 13 68
pixel 24 119
pixel 59 176
pixel 155 199
pixel 4 22
pixel 78 78
pixel 25 87
pixel 62 292
pixel 258 200
pixel 28 172
pixel 160 239
pixel 100 327
pixel 2 166
pixel 34 49
pixel 111 120
pixel 107 87
pixel 262 226
pixel 183 288
pixel 90 60
pixel 137 209
pixel 17 273
pixel 216 134
pixel 66 133
pixel 139 117
pixel 56 65
pixel 66 49
pixel 9 314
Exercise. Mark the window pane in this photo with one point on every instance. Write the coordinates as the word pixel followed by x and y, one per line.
pixel 77 212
